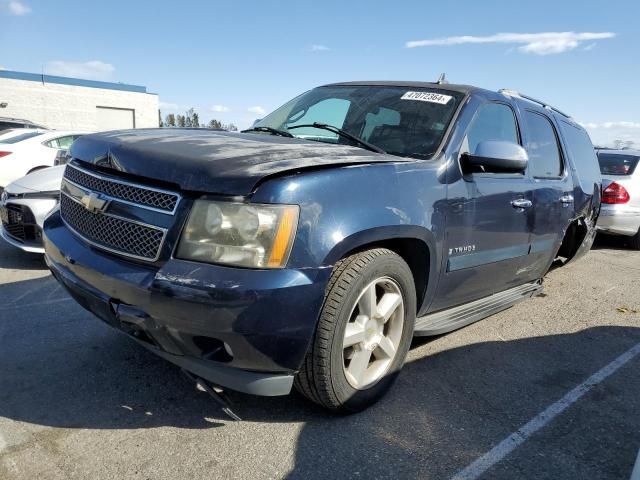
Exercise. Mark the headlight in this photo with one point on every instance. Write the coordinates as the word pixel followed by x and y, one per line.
pixel 240 234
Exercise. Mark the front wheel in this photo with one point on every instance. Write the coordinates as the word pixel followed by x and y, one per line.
pixel 363 334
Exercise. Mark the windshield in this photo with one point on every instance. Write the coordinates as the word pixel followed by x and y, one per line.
pixel 616 164
pixel 409 122
pixel 21 137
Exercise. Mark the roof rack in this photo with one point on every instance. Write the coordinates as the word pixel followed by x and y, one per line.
pixel 514 93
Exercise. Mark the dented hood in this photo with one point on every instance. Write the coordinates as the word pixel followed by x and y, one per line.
pixel 212 161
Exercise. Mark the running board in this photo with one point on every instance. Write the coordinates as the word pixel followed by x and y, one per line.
pixel 460 316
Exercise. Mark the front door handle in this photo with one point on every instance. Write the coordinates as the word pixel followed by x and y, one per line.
pixel 521 203
pixel 566 199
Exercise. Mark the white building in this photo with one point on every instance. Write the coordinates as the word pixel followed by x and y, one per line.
pixel 70 103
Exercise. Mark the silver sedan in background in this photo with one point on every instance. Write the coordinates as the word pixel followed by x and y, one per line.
pixel 25 203
pixel 620 214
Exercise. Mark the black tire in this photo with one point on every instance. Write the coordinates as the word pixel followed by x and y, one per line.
pixel 321 378
pixel 634 242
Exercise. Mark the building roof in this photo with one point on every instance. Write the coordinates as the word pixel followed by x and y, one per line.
pixel 78 82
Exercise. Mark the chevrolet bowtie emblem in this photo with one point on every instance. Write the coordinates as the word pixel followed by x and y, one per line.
pixel 94 203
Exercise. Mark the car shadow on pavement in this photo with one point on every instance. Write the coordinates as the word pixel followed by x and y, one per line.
pixel 15 259
pixel 611 242
pixel 63 368
pixel 449 408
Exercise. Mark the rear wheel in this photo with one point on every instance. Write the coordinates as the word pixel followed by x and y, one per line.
pixel 363 334
pixel 634 241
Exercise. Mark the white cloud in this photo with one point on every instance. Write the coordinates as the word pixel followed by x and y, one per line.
pixel 92 70
pixel 168 106
pixel 257 110
pixel 219 108
pixel 607 133
pixel 18 8
pixel 319 48
pixel 609 125
pixel 545 43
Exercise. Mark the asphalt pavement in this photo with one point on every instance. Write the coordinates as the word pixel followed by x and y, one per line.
pixel 548 389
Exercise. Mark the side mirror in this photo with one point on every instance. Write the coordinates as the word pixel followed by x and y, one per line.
pixel 496 157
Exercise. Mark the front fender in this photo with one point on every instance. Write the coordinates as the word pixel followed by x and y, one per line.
pixel 344 209
pixel 377 235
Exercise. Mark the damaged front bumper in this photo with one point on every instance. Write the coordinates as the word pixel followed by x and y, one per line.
pixel 247 330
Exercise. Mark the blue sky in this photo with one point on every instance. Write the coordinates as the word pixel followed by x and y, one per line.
pixel 235 60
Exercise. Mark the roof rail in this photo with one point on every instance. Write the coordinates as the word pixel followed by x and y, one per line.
pixel 514 93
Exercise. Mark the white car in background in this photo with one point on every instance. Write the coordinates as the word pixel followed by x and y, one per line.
pixel 25 203
pixel 32 150
pixel 620 213
pixel 14 132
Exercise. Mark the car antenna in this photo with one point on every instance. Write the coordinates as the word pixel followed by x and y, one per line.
pixel 442 79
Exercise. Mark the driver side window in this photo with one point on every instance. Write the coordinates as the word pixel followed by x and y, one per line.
pixel 493 121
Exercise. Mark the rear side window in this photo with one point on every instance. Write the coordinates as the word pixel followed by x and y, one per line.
pixel 542 146
pixel 582 155
pixel 493 122
pixel 616 164
pixel 20 138
pixel 61 142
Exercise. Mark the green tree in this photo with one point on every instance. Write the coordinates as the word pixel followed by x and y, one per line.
pixel 188 120
pixel 181 121
pixel 170 120
pixel 195 120
pixel 213 123
pixel 160 124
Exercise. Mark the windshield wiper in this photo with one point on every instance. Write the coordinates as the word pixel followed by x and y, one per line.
pixel 342 133
pixel 273 131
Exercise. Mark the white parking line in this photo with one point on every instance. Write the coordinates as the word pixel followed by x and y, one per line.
pixel 517 438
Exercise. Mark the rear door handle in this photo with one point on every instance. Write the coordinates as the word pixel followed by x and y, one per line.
pixel 521 203
pixel 566 199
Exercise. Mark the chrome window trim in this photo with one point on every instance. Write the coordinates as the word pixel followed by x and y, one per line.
pixel 129 184
pixel 112 250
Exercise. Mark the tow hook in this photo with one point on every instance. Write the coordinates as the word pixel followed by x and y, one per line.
pixel 215 392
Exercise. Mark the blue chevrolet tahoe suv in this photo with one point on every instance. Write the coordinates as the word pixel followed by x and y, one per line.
pixel 308 250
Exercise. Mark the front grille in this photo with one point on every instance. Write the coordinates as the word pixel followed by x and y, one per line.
pixel 112 233
pixel 142 196
pixel 19 223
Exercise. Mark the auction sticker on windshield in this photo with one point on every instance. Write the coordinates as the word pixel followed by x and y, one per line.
pixel 430 97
